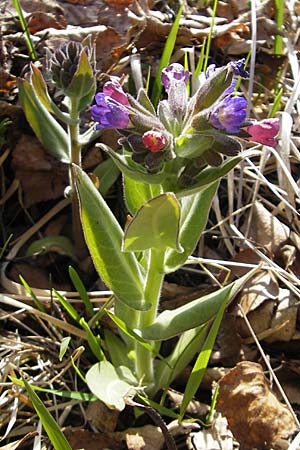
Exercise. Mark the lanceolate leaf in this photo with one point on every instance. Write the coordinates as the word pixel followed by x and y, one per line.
pixel 52 429
pixel 47 129
pixel 83 84
pixel 155 225
pixel 41 91
pixel 103 234
pixel 211 174
pixel 193 314
pixel 194 213
pixel 131 169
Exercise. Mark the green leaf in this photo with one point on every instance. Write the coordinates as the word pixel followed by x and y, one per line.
pixel 200 365
pixel 79 286
pixel 120 271
pixel 83 396
pixel 41 91
pixel 83 84
pixel 184 351
pixel 137 193
pixel 47 129
pixel 155 225
pixel 194 213
pixel 132 169
pixel 106 384
pixel 117 349
pixel 193 314
pixel 67 306
pixel 58 244
pixel 145 101
pixel 64 345
pixel 93 341
pixel 134 336
pixel 211 174
pixel 52 429
pixel 107 173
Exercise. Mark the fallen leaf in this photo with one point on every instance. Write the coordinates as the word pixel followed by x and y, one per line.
pixel 101 417
pixel 255 416
pixel 80 438
pixel 267 230
pixel 284 317
pixel 41 176
pixel 147 437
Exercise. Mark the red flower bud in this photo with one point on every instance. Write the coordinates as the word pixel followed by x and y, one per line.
pixel 154 140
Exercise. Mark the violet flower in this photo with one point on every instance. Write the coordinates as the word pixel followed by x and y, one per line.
pixel 229 114
pixel 109 113
pixel 114 90
pixel 174 73
pixel 238 68
pixel 264 132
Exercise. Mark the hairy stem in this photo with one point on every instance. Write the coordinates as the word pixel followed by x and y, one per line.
pixel 154 279
pixel 75 152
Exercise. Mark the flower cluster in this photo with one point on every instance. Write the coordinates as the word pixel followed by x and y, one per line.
pixel 195 131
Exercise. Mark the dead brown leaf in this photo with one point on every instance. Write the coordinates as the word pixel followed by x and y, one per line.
pixel 41 176
pixel 80 438
pixel 147 437
pixel 267 230
pixel 101 417
pixel 255 416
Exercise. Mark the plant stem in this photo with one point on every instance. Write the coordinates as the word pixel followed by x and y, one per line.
pixel 154 279
pixel 75 152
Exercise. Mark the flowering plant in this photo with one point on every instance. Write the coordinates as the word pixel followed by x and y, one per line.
pixel 172 160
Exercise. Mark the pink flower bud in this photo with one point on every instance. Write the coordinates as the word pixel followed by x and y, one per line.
pixel 264 132
pixel 154 140
pixel 114 90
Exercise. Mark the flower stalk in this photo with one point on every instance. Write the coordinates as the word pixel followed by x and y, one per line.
pixel 155 275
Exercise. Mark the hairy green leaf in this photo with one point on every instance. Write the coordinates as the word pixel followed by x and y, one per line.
pixel 47 129
pixel 120 271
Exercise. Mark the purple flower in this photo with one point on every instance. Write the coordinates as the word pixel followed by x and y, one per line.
pixel 174 72
pixel 264 132
pixel 109 113
pixel 229 114
pixel 114 90
pixel 238 68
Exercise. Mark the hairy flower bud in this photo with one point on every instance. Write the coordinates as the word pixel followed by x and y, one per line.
pixel 229 114
pixel 154 140
pixel 114 90
pixel 264 132
pixel 174 73
pixel 64 63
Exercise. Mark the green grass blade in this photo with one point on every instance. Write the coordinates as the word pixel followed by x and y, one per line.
pixel 93 341
pixel 276 104
pixel 200 63
pixel 67 306
pixel 52 429
pixel 199 368
pixel 209 37
pixel 37 303
pixel 79 286
pixel 166 56
pixel 25 30
pixel 74 395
